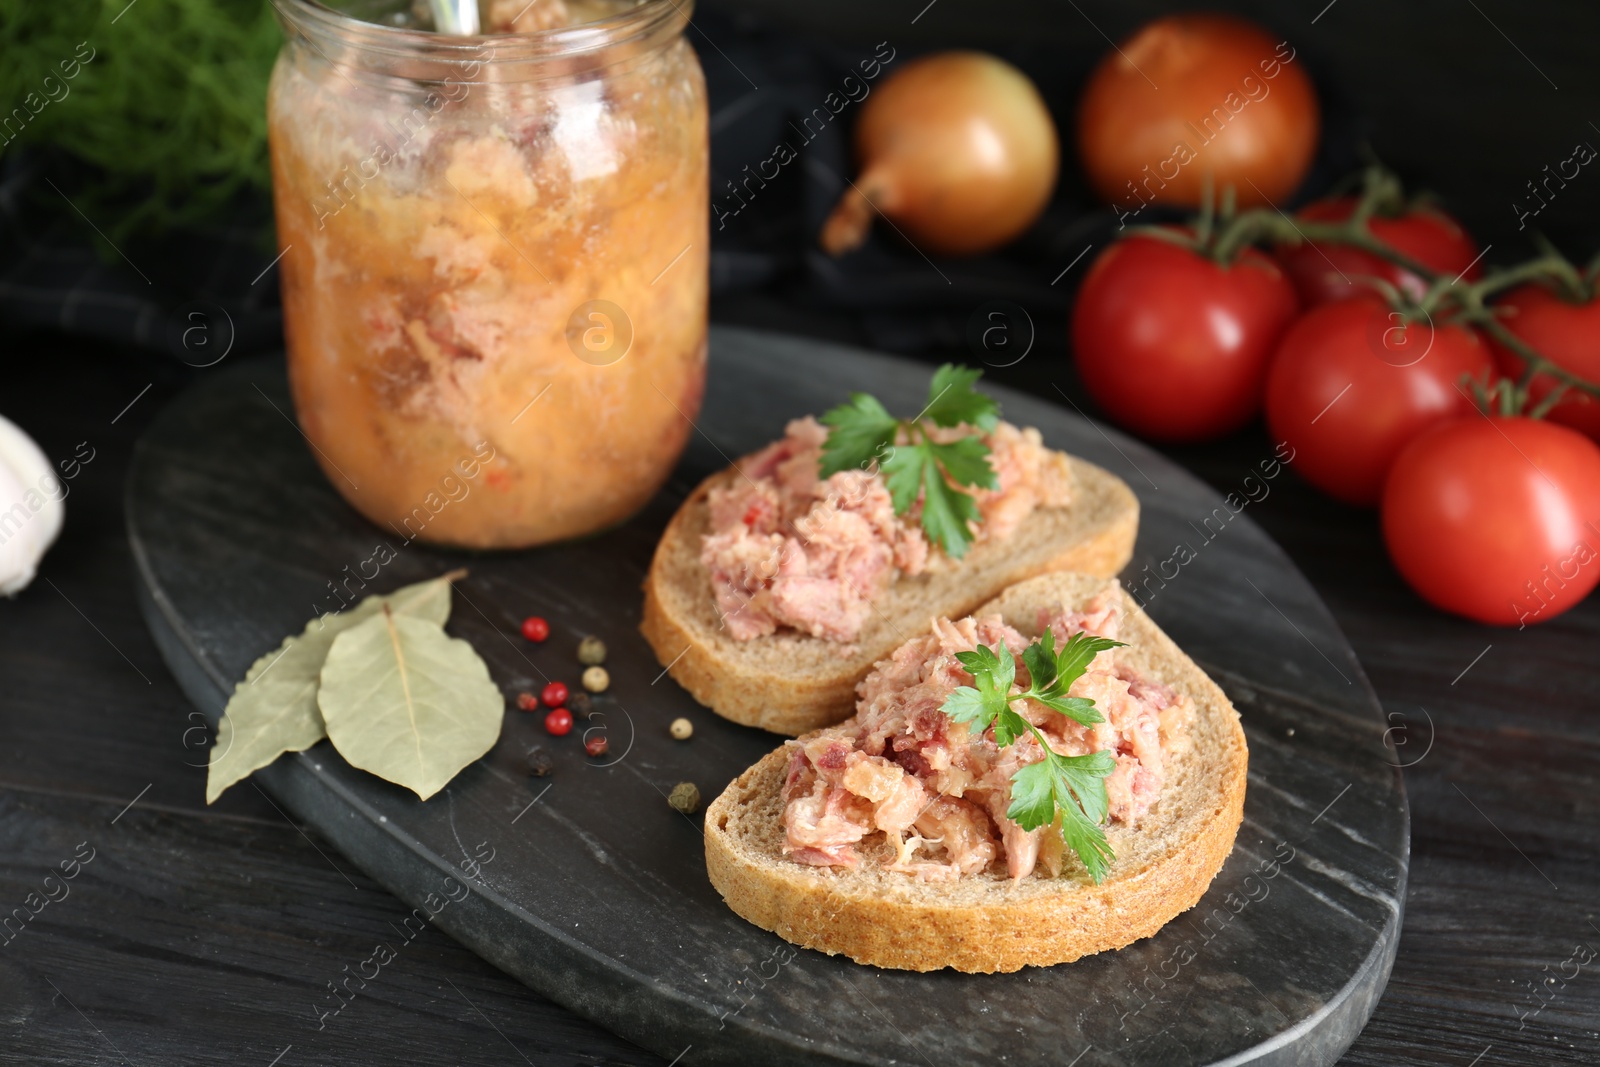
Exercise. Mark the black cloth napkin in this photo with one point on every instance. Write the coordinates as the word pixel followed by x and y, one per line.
pixel 199 294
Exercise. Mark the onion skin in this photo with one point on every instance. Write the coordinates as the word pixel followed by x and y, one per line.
pixel 957 150
pixel 1263 130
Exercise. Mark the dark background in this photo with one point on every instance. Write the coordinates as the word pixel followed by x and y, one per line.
pixel 203 935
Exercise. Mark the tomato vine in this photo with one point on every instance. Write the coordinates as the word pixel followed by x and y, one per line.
pixel 1221 233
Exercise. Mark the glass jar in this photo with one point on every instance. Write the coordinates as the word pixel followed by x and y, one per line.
pixel 494 263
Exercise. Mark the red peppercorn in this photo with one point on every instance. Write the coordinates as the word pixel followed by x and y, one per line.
pixel 534 628
pixel 596 745
pixel 558 722
pixel 554 695
pixel 527 701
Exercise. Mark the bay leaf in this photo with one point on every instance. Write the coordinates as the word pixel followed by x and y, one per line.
pixel 405 701
pixel 274 709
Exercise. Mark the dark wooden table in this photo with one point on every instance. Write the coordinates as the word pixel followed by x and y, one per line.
pixel 202 935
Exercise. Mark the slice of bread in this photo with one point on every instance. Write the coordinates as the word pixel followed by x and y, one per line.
pixel 790 682
pixel 987 922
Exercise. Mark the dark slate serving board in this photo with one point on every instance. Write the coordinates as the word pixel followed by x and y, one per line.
pixel 596 893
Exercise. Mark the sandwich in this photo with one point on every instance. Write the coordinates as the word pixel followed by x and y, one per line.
pixel 1045 779
pixel 784 578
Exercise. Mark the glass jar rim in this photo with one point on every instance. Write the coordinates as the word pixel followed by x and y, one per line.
pixel 624 32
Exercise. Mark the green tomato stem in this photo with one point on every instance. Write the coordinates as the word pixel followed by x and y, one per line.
pixel 1551 399
pixel 1550 267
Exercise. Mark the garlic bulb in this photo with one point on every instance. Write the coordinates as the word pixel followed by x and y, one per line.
pixel 31 507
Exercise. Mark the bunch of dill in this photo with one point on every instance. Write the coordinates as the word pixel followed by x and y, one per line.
pixel 169 110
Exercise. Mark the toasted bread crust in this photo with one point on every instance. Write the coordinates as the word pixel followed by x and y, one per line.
pixel 988 923
pixel 746 682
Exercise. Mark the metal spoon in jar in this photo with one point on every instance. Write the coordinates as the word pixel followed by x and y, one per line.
pixel 455 16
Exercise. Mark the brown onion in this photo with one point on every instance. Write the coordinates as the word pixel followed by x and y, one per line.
pixel 957 150
pixel 1195 95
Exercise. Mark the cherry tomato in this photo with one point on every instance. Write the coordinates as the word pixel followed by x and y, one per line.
pixel 1565 332
pixel 558 722
pixel 1350 385
pixel 1327 272
pixel 1172 344
pixel 554 695
pixel 1191 95
pixel 1495 518
pixel 535 628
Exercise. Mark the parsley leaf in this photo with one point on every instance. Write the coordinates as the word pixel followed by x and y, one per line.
pixel 1040 659
pixel 861 432
pixel 971 706
pixel 1052 673
pixel 902 473
pixel 946 513
pixel 1075 787
pixel 952 400
pixel 989 704
pixel 993 675
pixel 1008 726
pixel 966 461
pixel 1079 709
pixel 1068 792
pixel 1080 651
pixel 858 431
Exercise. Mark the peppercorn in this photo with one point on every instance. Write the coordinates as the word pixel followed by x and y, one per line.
pixel 554 695
pixel 559 722
pixel 580 704
pixel 527 701
pixel 681 729
pixel 685 797
pixel 535 628
pixel 596 679
pixel 539 762
pixel 591 651
pixel 596 745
